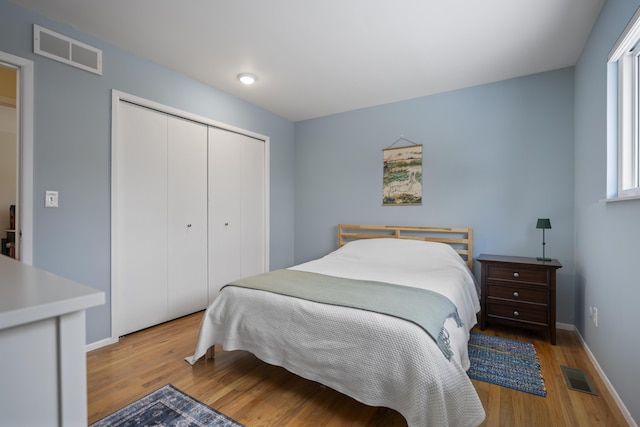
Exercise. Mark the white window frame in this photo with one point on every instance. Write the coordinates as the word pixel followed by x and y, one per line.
pixel 625 56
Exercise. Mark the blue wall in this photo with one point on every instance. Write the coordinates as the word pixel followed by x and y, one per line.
pixel 607 234
pixel 495 157
pixel 72 148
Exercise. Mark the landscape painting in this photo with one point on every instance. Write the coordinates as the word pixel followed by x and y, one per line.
pixel 402 176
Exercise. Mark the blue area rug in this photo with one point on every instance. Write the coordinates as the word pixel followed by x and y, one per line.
pixel 505 362
pixel 167 406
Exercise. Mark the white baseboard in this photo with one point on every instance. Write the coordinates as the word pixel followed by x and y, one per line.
pixel 101 343
pixel 565 326
pixel 614 393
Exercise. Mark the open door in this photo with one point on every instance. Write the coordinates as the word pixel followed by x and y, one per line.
pixel 9 162
pixel 16 157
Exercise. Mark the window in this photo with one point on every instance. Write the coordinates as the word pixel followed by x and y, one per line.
pixel 624 69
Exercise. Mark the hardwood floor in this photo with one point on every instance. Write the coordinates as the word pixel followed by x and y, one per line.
pixel 257 394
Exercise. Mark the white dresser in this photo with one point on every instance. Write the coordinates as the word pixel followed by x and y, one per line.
pixel 43 377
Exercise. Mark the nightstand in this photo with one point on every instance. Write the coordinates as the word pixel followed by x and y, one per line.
pixel 519 291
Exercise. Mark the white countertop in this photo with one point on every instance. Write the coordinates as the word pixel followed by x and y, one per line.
pixel 28 294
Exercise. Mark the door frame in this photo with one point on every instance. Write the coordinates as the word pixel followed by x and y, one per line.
pixel 118 96
pixel 24 219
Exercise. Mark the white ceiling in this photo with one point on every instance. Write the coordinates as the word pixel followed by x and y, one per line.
pixel 315 58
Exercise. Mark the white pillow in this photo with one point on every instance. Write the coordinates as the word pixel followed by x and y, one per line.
pixel 399 252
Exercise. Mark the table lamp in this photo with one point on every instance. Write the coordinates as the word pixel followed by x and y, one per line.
pixel 544 224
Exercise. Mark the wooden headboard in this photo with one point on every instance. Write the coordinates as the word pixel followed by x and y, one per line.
pixel 461 239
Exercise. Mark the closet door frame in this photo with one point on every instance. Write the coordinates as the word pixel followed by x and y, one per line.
pixel 116 98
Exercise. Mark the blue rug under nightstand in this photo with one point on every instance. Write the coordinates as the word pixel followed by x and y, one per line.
pixel 505 362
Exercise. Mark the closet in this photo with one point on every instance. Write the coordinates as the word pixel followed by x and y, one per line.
pixel 188 213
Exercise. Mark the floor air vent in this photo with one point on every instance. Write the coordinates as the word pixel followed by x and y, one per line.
pixel 577 380
pixel 64 49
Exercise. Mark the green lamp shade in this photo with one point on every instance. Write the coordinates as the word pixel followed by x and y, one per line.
pixel 543 223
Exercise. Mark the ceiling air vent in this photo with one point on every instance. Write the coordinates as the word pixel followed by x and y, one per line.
pixel 64 49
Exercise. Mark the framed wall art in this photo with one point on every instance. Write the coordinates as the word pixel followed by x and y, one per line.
pixel 402 175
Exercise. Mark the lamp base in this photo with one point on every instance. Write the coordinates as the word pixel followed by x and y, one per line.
pixel 544 259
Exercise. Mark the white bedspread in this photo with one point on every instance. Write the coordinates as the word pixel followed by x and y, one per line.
pixel 377 359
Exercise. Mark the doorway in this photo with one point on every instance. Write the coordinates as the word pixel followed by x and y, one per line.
pixel 16 157
pixel 10 246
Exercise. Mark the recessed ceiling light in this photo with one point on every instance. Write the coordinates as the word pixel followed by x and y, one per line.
pixel 247 78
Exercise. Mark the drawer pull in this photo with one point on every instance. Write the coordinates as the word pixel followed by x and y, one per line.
pixel 516 274
pixel 516 314
pixel 516 294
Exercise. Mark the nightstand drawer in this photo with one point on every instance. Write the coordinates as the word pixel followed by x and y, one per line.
pixel 519 313
pixel 521 293
pixel 517 274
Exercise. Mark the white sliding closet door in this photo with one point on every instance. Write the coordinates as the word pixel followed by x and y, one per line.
pixel 141 187
pixel 236 208
pixel 161 197
pixel 224 209
pixel 187 216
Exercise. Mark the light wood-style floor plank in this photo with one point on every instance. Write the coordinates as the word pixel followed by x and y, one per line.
pixel 257 394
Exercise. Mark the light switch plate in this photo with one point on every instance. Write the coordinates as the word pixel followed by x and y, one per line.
pixel 51 199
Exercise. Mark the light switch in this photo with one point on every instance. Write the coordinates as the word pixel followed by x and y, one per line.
pixel 51 199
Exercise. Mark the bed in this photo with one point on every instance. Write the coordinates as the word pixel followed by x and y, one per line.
pixel 374 354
